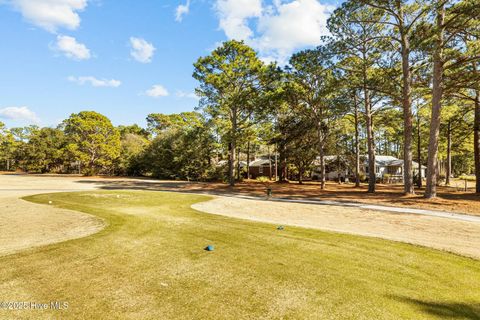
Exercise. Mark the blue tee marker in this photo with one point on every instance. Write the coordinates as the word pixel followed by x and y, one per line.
pixel 209 248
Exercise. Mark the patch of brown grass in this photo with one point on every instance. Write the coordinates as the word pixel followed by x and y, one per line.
pixel 390 195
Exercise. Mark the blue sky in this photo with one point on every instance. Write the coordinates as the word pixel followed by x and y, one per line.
pixel 126 59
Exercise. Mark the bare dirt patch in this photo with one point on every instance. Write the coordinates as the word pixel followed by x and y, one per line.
pixel 47 224
pixel 449 198
pixel 439 233
pixel 24 224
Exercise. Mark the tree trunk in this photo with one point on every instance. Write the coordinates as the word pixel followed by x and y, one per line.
pixel 370 141
pixel 269 164
pixel 276 162
pixel 339 175
pixel 283 162
pixel 238 164
pixel 407 110
pixel 322 166
pixel 448 172
pixel 477 140
pixel 300 175
pixel 248 159
pixel 231 163
pixel 437 94
pixel 419 152
pixel 232 148
pixel 357 145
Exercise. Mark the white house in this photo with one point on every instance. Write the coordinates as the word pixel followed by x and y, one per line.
pixel 340 166
pixel 391 166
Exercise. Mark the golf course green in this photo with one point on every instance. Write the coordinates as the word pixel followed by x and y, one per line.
pixel 150 262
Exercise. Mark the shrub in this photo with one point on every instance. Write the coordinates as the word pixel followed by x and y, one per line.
pixel 386 177
pixel 263 179
pixel 467 177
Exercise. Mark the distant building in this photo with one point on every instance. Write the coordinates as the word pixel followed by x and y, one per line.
pixel 261 168
pixel 391 166
pixel 342 167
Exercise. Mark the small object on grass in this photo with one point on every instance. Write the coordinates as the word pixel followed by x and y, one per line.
pixel 209 248
pixel 49 202
pixel 269 193
pixel 118 196
pixel 280 228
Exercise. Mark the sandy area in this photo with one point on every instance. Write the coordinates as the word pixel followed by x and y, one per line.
pixel 445 234
pixel 24 225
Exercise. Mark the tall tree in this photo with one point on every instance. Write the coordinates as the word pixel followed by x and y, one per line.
pixel 476 143
pixel 44 151
pixel 93 140
pixel 357 34
pixel 7 143
pixel 454 20
pixel 437 94
pixel 400 26
pixel 315 88
pixel 465 83
pixel 231 80
pixel 182 148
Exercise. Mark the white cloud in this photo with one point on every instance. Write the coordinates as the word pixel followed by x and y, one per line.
pixel 190 95
pixel 95 82
pixel 234 15
pixel 142 51
pixel 19 113
pixel 51 14
pixel 279 29
pixel 157 91
pixel 71 48
pixel 182 10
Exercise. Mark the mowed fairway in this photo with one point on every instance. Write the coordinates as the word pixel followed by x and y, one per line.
pixel 149 263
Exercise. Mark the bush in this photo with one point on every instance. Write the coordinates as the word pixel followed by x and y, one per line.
pixel 415 178
pixel 263 179
pixel 386 178
pixel 363 177
pixel 468 178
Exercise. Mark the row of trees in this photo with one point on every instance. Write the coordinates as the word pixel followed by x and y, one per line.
pixel 178 146
pixel 395 77
pixel 384 58
pixel 85 139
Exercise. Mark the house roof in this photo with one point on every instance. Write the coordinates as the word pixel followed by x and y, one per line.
pixel 390 161
pixel 222 163
pixel 260 162
pixel 386 161
pixel 329 159
pixel 380 160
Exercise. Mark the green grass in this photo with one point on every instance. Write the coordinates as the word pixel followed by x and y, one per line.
pixel 149 263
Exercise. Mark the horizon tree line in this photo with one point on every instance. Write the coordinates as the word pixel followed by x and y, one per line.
pixel 390 74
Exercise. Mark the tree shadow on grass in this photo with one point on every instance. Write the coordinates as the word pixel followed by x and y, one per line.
pixel 389 195
pixel 445 310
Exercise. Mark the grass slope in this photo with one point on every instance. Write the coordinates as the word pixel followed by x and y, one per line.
pixel 149 263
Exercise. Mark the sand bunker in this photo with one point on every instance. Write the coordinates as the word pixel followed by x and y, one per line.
pixel 440 233
pixel 25 225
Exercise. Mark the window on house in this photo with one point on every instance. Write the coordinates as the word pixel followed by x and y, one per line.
pixel 392 170
pixel 260 169
pixel 377 169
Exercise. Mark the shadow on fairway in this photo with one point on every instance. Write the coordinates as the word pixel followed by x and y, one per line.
pixel 446 310
pixel 138 184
